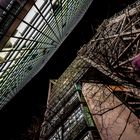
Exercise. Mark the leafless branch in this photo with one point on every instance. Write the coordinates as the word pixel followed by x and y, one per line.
pixel 125 126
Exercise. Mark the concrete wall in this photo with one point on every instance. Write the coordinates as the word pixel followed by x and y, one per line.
pixel 110 115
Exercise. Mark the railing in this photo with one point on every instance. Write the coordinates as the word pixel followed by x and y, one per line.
pixel 61 100
pixel 79 127
pixel 74 72
pixel 58 119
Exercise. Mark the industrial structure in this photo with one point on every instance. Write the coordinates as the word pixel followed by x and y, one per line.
pixel 31 32
pixel 98 92
pixel 97 97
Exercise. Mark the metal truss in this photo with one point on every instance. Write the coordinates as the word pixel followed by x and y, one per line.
pixel 114 52
pixel 116 46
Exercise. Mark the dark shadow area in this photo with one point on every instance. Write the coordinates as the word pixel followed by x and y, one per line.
pixel 16 117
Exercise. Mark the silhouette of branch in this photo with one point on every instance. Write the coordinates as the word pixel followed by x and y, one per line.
pixel 107 110
pixel 125 126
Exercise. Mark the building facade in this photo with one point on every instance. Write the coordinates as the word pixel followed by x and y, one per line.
pixel 97 97
pixel 31 32
pixel 67 115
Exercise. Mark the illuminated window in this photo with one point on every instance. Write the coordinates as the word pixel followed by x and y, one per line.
pixel 76 116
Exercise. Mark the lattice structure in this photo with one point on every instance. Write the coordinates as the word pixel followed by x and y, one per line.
pixel 28 48
pixel 114 51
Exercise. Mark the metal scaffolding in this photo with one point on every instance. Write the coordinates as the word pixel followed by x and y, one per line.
pixel 115 50
pixel 116 47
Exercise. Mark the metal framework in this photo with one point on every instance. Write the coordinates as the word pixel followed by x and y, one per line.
pixel 116 46
pixel 114 51
pixel 35 40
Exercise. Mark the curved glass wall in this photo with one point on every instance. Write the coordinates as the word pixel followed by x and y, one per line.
pixel 35 40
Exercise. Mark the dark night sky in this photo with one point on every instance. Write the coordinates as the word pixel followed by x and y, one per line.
pixel 16 116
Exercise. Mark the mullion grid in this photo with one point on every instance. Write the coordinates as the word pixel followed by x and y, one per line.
pixel 15 78
pixel 25 65
pixel 13 52
pixel 46 21
pixel 51 23
pixel 15 59
pixel 59 23
pixel 72 9
pixel 27 50
pixel 26 33
pixel 8 92
pixel 42 28
pixel 5 63
pixel 23 21
pixel 4 97
pixel 40 43
pixel 48 32
pixel 71 12
pixel 56 22
pixel 48 28
pixel 34 20
pixel 64 13
pixel 15 63
pixel 23 72
pixel 59 17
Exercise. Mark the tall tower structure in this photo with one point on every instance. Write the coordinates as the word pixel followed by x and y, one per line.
pixel 104 79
